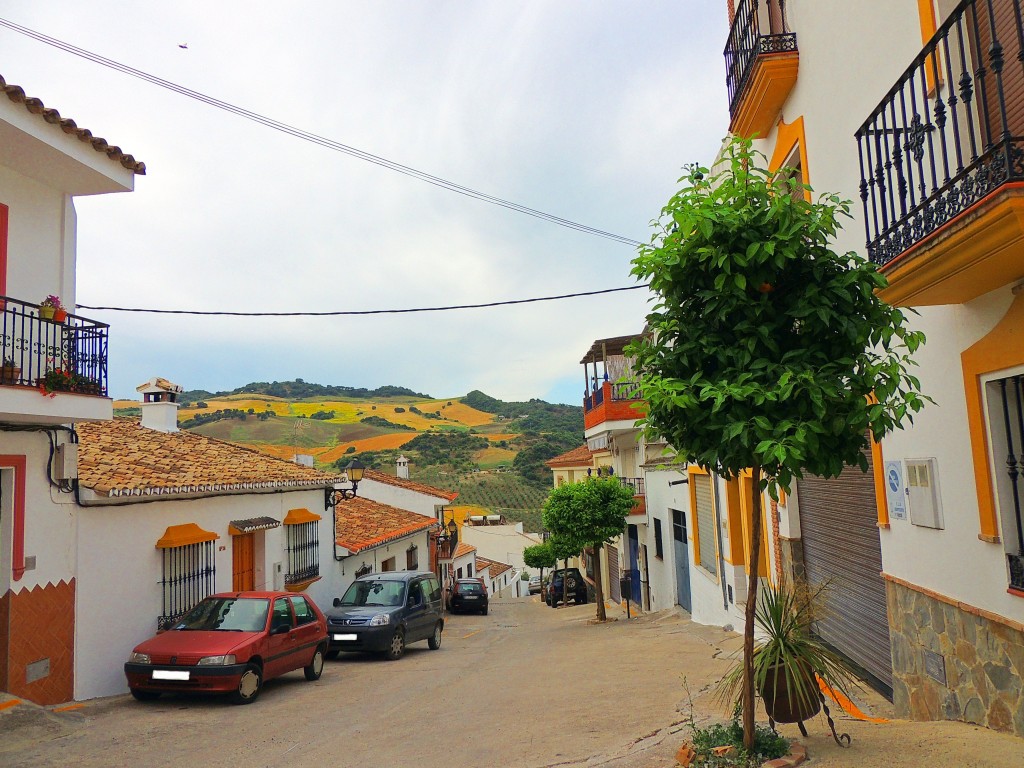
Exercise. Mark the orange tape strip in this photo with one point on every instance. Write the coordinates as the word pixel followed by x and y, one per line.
pixel 9 704
pixel 68 708
pixel 848 706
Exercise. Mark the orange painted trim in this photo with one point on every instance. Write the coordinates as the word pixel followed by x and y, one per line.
pixel 183 535
pixel 301 585
pixel 790 136
pixel 747 491
pixel 299 516
pixel 4 228
pixel 736 554
pixel 878 470
pixel 929 25
pixel 974 253
pixel 1000 349
pixel 981 613
pixel 767 89
pixel 18 464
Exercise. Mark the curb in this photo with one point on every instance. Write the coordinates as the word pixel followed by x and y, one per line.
pixel 797 754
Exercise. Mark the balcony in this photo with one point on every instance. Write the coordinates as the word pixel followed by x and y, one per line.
pixel 613 406
pixel 761 66
pixel 942 163
pixel 639 512
pixel 53 371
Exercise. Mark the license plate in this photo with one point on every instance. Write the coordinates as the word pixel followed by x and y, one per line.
pixel 471 597
pixel 167 674
pixel 346 637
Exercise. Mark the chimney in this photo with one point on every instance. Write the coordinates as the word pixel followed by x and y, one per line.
pixel 403 467
pixel 160 404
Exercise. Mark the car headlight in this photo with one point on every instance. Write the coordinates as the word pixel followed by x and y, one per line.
pixel 380 620
pixel 217 661
pixel 139 658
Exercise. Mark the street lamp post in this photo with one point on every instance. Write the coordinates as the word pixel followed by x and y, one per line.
pixel 337 493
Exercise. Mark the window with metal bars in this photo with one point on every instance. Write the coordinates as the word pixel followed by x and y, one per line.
pixel 303 552
pixel 188 575
pixel 659 547
pixel 412 558
pixel 1006 420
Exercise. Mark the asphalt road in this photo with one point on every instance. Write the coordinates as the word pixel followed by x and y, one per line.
pixel 523 686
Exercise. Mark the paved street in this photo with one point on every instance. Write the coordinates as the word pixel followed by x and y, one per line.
pixel 524 686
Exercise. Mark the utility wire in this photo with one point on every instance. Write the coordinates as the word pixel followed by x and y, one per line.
pixel 334 313
pixel 314 138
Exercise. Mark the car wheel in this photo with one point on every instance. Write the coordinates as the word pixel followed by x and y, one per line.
pixel 397 646
pixel 249 686
pixel 435 639
pixel 141 695
pixel 332 654
pixel 483 612
pixel 582 600
pixel 316 665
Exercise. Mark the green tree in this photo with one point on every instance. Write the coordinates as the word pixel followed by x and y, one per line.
pixel 589 514
pixel 539 556
pixel 768 350
pixel 562 548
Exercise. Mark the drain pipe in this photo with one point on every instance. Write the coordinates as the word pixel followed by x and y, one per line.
pixel 718 524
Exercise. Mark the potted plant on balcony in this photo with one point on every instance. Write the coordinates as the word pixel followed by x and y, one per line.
pixel 10 372
pixel 48 307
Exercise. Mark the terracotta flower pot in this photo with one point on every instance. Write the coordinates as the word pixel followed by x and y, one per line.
pixel 790 706
pixel 9 374
pixel 60 315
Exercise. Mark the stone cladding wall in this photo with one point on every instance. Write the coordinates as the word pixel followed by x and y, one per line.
pixel 982 657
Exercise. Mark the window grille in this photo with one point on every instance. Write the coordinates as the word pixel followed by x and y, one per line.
pixel 188 575
pixel 659 548
pixel 1007 425
pixel 412 558
pixel 303 552
pixel 366 570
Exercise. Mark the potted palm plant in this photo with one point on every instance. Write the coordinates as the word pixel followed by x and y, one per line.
pixel 790 662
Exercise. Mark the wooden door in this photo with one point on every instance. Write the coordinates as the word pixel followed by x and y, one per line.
pixel 243 562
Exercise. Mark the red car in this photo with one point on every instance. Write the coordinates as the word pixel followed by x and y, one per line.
pixel 231 643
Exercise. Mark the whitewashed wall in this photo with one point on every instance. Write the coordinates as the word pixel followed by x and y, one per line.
pixel 403 498
pixel 503 543
pixel 119 571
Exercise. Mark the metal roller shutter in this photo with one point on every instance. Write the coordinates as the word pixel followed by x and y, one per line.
pixel 838 524
pixel 705 523
pixel 612 553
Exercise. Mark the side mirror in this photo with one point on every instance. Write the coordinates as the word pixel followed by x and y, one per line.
pixel 337 602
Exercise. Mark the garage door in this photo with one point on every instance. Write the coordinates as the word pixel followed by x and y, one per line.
pixel 838 524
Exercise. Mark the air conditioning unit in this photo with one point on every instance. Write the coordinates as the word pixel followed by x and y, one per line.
pixel 65 462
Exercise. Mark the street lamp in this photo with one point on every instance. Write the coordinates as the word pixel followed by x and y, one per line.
pixel 354 472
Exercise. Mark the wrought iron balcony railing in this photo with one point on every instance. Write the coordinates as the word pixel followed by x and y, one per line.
pixel 759 27
pixel 949 132
pixel 68 355
pixel 636 483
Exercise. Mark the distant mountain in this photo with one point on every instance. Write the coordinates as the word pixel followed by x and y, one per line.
pixel 534 415
pixel 300 390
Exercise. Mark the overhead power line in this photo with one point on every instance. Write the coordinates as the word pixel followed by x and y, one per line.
pixel 313 138
pixel 334 313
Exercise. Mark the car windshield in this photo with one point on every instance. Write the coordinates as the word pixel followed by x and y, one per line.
pixel 470 589
pixel 227 614
pixel 374 593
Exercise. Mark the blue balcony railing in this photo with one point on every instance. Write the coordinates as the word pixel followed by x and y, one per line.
pixel 69 355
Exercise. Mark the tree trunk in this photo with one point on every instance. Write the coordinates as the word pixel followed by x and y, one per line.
pixel 748 619
pixel 599 585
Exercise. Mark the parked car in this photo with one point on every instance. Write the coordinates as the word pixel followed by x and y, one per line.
pixel 384 612
pixel 468 595
pixel 231 644
pixel 576 586
pixel 535 585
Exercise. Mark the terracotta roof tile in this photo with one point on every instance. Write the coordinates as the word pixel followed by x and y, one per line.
pixel 412 485
pixel 122 458
pixel 495 568
pixel 364 523
pixel 17 94
pixel 463 549
pixel 577 457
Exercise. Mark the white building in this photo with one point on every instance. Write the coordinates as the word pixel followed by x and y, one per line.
pixel 45 162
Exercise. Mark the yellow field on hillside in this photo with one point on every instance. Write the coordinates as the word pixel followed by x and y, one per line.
pixel 463 511
pixel 494 438
pixel 460 412
pixel 285 452
pixel 493 457
pixel 378 443
pixel 279 407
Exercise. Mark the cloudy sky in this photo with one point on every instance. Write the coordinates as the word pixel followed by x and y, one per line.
pixel 586 109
